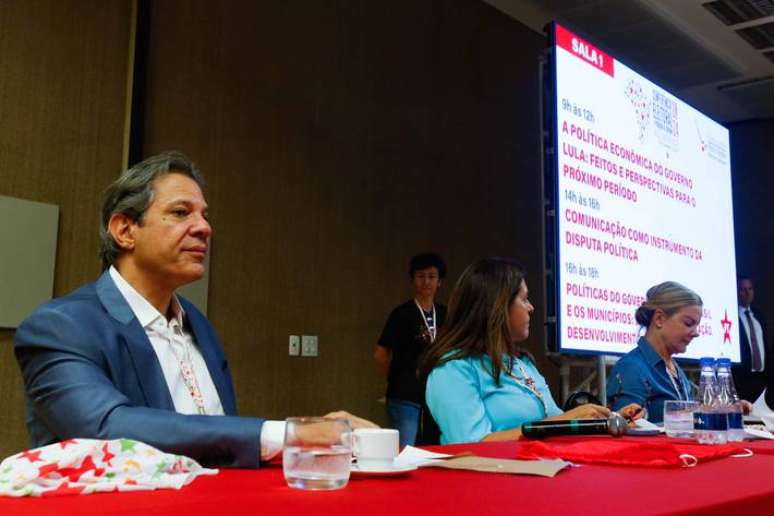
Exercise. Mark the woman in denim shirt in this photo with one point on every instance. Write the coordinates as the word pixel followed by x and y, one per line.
pixel 648 375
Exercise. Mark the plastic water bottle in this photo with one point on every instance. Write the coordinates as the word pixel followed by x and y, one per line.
pixel 711 421
pixel 730 400
pixel 702 422
pixel 719 416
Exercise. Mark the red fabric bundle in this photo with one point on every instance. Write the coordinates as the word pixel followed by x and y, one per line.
pixel 623 452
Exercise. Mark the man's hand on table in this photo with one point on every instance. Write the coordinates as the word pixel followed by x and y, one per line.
pixel 326 433
pixel 354 421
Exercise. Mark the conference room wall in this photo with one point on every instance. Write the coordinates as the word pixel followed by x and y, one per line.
pixel 62 97
pixel 338 139
pixel 753 184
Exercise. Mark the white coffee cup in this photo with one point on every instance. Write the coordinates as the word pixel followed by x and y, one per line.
pixel 375 448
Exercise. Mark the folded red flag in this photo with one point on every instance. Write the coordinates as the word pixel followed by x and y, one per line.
pixel 624 452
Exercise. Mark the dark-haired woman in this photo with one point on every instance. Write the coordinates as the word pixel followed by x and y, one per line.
pixel 647 374
pixel 480 385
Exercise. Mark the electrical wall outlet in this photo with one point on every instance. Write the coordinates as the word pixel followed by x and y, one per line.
pixel 308 345
pixel 294 345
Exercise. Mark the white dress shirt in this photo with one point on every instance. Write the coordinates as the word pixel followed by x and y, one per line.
pixel 758 333
pixel 170 340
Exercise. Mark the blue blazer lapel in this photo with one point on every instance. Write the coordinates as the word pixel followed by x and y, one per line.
pixel 213 356
pixel 146 364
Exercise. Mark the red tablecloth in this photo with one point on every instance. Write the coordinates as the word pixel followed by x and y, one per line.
pixel 731 485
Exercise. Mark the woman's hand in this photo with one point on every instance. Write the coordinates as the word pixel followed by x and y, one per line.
pixel 746 407
pixel 587 411
pixel 632 412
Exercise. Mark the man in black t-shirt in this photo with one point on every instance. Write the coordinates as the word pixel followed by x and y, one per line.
pixel 409 329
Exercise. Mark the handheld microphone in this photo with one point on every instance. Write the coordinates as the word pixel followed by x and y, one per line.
pixel 614 425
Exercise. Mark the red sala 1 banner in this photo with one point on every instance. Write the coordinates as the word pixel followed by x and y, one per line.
pixel 584 50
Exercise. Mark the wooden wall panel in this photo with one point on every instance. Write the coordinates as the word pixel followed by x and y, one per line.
pixel 62 97
pixel 339 138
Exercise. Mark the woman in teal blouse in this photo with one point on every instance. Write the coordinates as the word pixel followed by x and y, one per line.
pixel 480 385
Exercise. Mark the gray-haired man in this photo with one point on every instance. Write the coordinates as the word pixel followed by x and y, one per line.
pixel 125 356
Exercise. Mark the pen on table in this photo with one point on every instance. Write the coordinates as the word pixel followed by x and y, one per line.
pixel 631 417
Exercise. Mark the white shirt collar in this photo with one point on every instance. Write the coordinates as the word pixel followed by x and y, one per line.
pixel 145 312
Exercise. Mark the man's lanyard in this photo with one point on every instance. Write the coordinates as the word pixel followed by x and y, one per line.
pixel 431 328
pixel 185 361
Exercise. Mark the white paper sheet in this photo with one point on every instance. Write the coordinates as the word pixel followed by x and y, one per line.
pixel 414 456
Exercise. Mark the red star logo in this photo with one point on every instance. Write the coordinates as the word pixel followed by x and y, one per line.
pixel 32 456
pixel 726 324
pixel 107 456
pixel 64 443
pixel 44 470
pixel 74 474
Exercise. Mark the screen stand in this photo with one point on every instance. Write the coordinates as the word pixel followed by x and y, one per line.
pixel 588 371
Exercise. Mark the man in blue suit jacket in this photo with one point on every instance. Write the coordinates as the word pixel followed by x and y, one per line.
pixel 92 370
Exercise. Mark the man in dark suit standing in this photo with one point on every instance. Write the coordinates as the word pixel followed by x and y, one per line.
pixel 756 351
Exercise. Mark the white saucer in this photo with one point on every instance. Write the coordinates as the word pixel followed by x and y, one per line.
pixel 357 472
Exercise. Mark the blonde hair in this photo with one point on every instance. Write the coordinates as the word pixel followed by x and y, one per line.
pixel 669 297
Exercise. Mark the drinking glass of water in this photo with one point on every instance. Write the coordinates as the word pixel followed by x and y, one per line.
pixel 317 453
pixel 678 418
